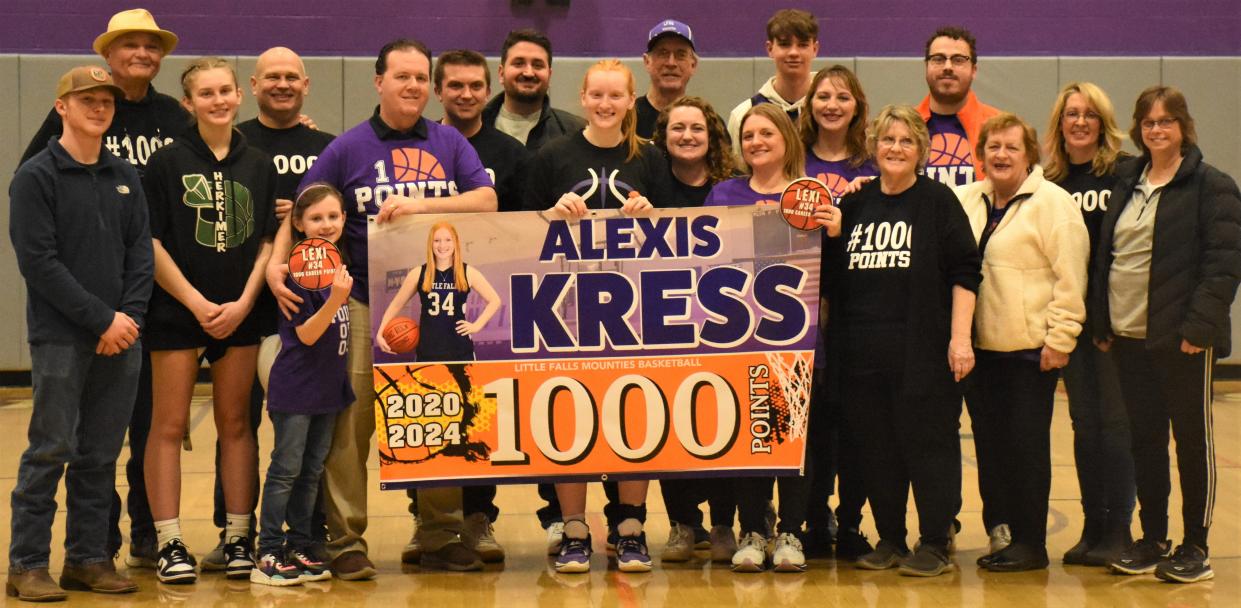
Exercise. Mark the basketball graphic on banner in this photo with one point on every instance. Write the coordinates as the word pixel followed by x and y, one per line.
pixel 313 263
pixel 799 199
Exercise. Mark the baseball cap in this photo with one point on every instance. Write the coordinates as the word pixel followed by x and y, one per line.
pixel 86 77
pixel 670 27
pixel 134 20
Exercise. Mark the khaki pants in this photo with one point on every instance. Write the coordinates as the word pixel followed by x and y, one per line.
pixel 344 476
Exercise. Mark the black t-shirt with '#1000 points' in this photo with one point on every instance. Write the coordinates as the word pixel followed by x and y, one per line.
pixel 878 233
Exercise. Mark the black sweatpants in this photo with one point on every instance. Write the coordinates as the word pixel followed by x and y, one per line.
pixel 1010 406
pixel 1161 387
pixel 905 442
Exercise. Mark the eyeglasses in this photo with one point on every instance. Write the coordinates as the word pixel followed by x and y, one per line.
pixel 939 59
pixel 1072 116
pixel 678 55
pixel 1162 123
pixel 887 141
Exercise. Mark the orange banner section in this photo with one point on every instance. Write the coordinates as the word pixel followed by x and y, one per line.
pixel 562 419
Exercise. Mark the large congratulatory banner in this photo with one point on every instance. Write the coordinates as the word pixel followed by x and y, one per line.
pixel 679 344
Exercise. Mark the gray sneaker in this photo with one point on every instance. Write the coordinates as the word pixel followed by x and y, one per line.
pixel 723 544
pixel 412 553
pixel 680 546
pixel 927 561
pixel 480 536
pixel 886 555
pixel 215 561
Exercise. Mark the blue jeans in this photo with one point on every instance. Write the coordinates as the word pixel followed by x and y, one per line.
pixel 1100 437
pixel 82 406
pixel 292 483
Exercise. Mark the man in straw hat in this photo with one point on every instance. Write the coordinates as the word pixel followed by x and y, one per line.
pixel 133 46
pixel 78 221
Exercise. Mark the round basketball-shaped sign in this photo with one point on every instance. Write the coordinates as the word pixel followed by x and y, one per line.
pixel 799 199
pixel 313 263
pixel 401 334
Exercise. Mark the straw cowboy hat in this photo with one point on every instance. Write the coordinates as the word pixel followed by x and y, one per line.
pixel 134 20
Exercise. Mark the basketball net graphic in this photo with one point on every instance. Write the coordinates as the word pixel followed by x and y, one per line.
pixel 793 376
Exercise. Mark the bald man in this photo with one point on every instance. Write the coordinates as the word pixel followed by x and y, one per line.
pixel 280 86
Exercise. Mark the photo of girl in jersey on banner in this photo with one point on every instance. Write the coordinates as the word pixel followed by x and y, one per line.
pixel 443 284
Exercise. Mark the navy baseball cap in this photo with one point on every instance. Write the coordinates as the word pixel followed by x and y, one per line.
pixel 670 27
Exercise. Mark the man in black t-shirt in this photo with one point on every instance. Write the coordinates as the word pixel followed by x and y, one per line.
pixel 462 84
pixel 280 86
pixel 671 60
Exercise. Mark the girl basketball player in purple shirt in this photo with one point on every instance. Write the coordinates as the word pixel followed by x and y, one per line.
pixel 308 388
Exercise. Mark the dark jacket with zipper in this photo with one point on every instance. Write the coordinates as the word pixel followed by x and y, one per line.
pixel 83 243
pixel 1195 257
pixel 552 122
pixel 211 215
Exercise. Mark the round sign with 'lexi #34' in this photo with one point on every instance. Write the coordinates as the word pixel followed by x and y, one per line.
pixel 799 199
pixel 313 263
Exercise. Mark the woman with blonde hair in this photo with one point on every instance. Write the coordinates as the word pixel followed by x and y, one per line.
pixel 901 312
pixel 1084 156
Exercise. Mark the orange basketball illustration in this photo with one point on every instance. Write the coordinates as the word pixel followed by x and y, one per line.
pixel 401 334
pixel 412 164
pixel 313 263
pixel 799 199
pixel 948 149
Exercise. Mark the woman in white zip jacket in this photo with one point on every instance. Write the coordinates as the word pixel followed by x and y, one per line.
pixel 1031 306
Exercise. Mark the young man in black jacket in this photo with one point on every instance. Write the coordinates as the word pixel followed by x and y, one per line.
pixel 524 110
pixel 78 221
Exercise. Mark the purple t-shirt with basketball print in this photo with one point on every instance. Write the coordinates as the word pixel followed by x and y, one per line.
pixel 952 157
pixel 737 191
pixel 836 174
pixel 372 162
pixel 310 379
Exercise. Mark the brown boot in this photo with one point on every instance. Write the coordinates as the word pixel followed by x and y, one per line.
pixel 100 577
pixel 34 585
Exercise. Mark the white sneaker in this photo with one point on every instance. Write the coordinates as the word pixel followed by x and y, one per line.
pixel 1001 537
pixel 555 533
pixel 751 555
pixel 788 555
pixel 680 546
pixel 480 536
pixel 412 553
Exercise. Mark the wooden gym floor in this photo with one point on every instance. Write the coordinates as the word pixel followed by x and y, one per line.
pixel 527 579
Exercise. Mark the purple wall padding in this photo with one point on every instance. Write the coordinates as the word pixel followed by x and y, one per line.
pixel 723 28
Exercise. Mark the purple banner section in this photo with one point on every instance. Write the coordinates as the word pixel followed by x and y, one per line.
pixel 722 28
pixel 680 282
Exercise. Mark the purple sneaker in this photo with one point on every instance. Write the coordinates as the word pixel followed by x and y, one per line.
pixel 631 554
pixel 574 555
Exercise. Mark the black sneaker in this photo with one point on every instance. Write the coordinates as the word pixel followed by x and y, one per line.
pixel 1188 564
pixel 1141 557
pixel 175 565
pixel 239 559
pixel 851 544
pixel 886 555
